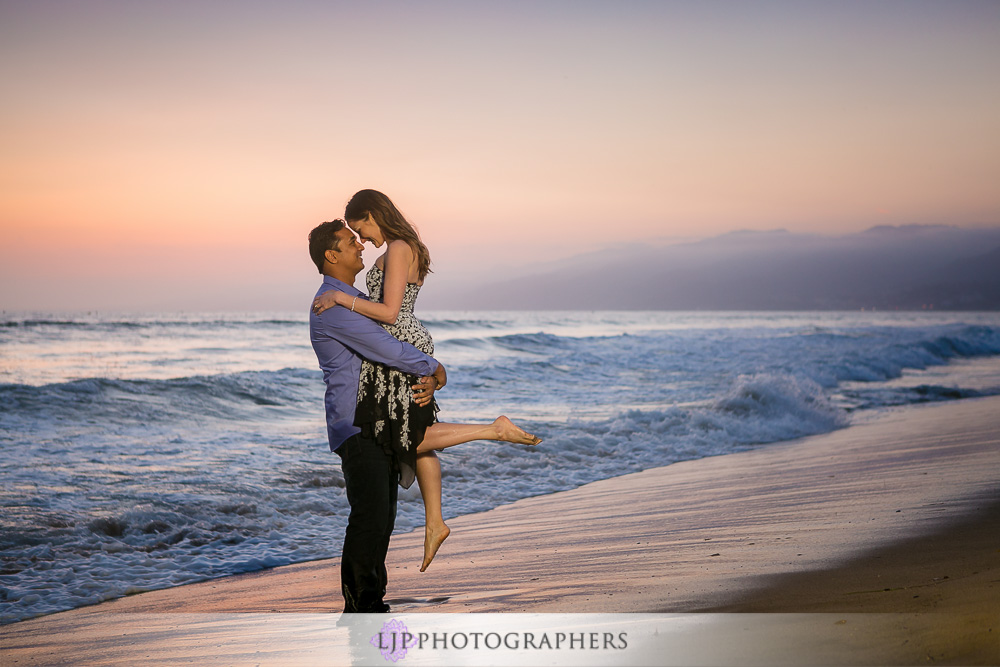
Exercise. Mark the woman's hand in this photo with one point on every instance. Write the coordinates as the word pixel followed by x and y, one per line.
pixel 327 300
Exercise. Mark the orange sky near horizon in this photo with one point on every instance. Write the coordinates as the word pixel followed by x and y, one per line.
pixel 192 141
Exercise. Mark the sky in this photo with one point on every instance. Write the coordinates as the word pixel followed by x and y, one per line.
pixel 174 155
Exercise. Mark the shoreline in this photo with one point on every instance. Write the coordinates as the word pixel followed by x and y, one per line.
pixel 908 502
pixel 939 571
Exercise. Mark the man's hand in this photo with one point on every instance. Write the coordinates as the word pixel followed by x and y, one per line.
pixel 423 391
pixel 440 375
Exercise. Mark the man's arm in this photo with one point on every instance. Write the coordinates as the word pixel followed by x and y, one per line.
pixel 371 341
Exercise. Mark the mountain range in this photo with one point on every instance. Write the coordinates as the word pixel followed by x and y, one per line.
pixel 907 267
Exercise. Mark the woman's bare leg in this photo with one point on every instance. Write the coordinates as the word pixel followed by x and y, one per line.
pixel 429 480
pixel 440 436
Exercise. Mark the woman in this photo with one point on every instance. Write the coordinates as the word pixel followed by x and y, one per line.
pixel 386 411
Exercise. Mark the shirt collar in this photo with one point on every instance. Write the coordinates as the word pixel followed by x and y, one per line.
pixel 341 285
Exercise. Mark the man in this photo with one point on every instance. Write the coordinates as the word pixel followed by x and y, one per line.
pixel 340 338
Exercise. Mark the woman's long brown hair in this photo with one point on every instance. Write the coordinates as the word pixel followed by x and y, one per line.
pixel 392 223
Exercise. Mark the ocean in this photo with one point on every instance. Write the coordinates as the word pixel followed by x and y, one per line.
pixel 147 451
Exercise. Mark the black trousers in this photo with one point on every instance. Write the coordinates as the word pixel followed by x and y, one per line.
pixel 371 491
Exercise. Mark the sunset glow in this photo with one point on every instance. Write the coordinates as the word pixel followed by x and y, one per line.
pixel 174 155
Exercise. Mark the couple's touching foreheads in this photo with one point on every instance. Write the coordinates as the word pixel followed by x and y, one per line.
pixel 381 378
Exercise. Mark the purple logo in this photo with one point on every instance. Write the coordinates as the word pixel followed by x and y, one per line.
pixel 393 640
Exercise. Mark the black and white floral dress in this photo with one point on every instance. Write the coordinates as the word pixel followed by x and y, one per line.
pixel 386 412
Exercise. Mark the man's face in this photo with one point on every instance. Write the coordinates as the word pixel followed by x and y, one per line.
pixel 349 253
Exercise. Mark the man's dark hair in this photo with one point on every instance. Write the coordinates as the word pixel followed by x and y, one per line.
pixel 324 238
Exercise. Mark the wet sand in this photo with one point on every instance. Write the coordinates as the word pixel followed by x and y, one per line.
pixel 898 516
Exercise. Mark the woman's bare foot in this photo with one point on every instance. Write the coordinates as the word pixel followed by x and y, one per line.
pixel 508 432
pixel 432 540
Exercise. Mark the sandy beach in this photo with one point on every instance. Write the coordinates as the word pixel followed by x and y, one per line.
pixel 897 518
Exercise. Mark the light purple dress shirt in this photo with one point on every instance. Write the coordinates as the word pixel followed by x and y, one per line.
pixel 341 339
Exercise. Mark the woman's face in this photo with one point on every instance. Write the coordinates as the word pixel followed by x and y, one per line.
pixel 368 230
